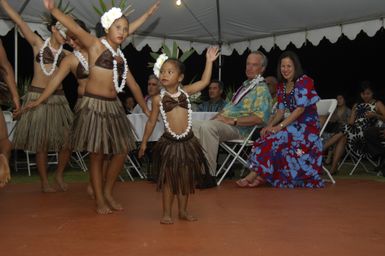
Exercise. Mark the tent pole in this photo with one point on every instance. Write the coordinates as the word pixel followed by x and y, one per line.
pixel 219 41
pixel 16 46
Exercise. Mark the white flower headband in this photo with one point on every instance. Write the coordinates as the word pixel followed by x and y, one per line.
pixel 110 16
pixel 158 64
pixel 62 30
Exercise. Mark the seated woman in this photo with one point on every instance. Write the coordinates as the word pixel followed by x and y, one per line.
pixel 288 154
pixel 339 118
pixel 367 113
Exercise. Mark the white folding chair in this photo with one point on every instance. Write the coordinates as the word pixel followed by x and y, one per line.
pixel 235 150
pixel 8 116
pixel 326 108
pixel 52 160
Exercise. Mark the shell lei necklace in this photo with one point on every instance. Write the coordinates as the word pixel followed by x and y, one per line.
pixel 47 43
pixel 81 59
pixel 164 115
pixel 118 52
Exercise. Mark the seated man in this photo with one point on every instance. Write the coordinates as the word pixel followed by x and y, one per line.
pixel 153 88
pixel 375 137
pixel 250 106
pixel 216 102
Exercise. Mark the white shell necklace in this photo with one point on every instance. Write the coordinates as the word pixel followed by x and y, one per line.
pixel 47 43
pixel 164 115
pixel 118 52
pixel 81 59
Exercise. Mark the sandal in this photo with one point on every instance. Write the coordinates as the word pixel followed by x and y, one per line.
pixel 257 182
pixel 242 183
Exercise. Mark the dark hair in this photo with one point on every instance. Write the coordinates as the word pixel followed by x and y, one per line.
pixel 365 85
pixel 82 25
pixel 219 82
pixel 298 72
pixel 52 22
pixel 179 65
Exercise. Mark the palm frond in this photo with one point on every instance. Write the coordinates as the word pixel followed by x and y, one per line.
pixel 186 55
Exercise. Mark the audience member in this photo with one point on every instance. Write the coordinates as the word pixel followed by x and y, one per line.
pixel 130 104
pixel 375 138
pixel 153 88
pixel 289 152
pixel 250 106
pixel 215 102
pixel 369 112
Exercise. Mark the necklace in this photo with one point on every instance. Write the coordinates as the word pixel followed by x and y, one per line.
pixel 289 100
pixel 164 115
pixel 118 52
pixel 81 59
pixel 47 43
pixel 242 91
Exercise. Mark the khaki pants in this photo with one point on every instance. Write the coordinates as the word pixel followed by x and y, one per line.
pixel 210 134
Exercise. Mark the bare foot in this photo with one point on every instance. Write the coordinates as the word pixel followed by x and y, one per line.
pixel 5 175
pixel 113 204
pixel 103 209
pixel 187 216
pixel 48 189
pixel 90 192
pixel 166 220
pixel 59 182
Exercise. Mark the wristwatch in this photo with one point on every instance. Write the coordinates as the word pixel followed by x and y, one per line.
pixel 235 121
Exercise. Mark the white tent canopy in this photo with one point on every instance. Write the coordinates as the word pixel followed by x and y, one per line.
pixel 236 25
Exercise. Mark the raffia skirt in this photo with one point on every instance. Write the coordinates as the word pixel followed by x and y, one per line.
pixel 101 126
pixel 179 163
pixel 46 127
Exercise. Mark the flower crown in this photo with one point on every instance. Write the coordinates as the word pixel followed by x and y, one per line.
pixel 158 64
pixel 110 16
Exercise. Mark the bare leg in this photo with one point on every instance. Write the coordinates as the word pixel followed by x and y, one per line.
pixel 64 157
pixel 5 175
pixel 182 205
pixel 114 168
pixel 338 152
pixel 41 163
pixel 96 166
pixel 90 190
pixel 334 139
pixel 167 201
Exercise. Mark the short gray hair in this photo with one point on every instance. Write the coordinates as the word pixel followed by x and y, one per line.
pixel 264 58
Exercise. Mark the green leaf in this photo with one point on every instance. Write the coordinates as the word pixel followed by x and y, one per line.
pixel 103 5
pixel 186 55
pixel 166 50
pixel 154 55
pixel 59 5
pixel 113 3
pixel 97 10
pixel 122 4
pixel 150 65
pixel 174 50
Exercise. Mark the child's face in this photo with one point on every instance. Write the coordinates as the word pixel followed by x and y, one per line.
pixel 170 75
pixel 118 31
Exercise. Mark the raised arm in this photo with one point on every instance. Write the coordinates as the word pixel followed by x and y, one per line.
pixel 63 71
pixel 9 77
pixel 33 39
pixel 142 19
pixel 150 125
pixel 211 55
pixel 137 92
pixel 86 38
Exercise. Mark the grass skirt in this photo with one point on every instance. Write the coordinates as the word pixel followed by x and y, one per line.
pixel 179 163
pixel 45 127
pixel 101 126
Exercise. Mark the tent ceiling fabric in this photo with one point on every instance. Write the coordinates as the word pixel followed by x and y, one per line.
pixel 245 24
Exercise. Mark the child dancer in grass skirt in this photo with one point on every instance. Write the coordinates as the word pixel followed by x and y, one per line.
pixel 178 157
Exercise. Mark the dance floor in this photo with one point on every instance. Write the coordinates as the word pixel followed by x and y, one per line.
pixel 343 219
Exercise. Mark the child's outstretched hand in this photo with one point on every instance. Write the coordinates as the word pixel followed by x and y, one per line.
pixel 142 150
pixel 49 4
pixel 153 8
pixel 212 53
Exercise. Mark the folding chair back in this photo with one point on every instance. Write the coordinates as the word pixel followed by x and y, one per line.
pixel 326 108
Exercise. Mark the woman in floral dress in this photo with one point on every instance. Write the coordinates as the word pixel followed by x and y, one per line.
pixel 289 152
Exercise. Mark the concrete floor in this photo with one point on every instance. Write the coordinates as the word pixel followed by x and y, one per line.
pixel 343 219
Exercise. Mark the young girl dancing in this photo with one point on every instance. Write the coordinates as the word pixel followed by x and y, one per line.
pixel 46 128
pixel 177 157
pixel 101 126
